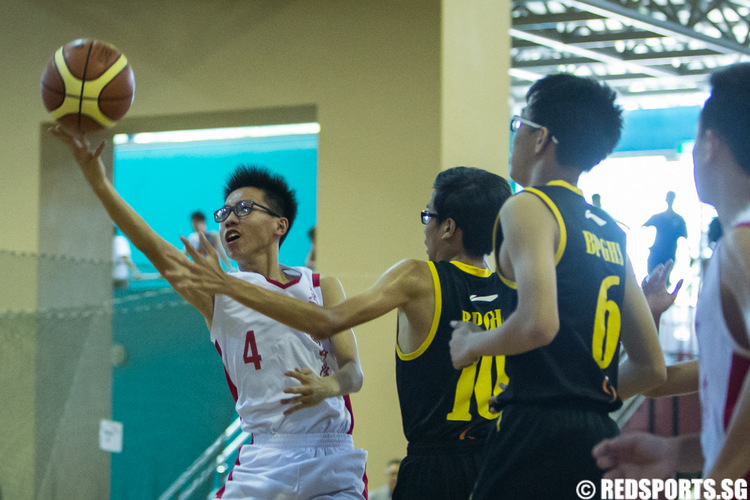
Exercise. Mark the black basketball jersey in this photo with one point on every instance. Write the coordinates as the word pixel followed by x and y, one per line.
pixel 438 402
pixel 580 365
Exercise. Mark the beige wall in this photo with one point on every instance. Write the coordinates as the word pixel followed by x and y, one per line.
pixel 474 103
pixel 401 90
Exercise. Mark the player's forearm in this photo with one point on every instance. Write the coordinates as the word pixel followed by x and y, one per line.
pixel 131 223
pixel 303 316
pixel 639 378
pixel 347 380
pixel 682 378
pixel 514 336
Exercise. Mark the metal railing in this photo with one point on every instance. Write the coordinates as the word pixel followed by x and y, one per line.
pixel 628 409
pixel 211 463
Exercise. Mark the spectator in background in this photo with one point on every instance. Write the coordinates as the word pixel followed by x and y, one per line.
pixel 310 259
pixel 670 227
pixel 198 220
pixel 715 232
pixel 713 235
pixel 596 200
pixel 122 259
pixel 391 473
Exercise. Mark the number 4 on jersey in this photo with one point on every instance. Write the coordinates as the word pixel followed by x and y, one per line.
pixel 251 354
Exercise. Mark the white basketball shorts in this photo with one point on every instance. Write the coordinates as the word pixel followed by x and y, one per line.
pixel 297 466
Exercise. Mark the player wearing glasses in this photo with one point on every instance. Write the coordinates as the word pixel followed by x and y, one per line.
pixel 577 301
pixel 445 412
pixel 303 449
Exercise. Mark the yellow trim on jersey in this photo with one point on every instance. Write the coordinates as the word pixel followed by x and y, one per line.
pixel 566 185
pixel 509 283
pixel 435 317
pixel 494 231
pixel 556 212
pixel 476 271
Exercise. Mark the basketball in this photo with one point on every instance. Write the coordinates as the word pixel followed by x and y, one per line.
pixel 87 85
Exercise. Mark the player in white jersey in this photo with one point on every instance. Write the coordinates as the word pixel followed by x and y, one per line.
pixel 270 348
pixel 724 358
pixel 312 446
pixel 722 176
pixel 289 389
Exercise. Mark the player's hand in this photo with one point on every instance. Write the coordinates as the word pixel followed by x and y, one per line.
pixel 89 161
pixel 203 273
pixel 461 343
pixel 494 401
pixel 654 287
pixel 637 456
pixel 311 391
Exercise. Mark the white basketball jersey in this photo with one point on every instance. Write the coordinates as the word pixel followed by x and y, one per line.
pixel 256 352
pixel 723 364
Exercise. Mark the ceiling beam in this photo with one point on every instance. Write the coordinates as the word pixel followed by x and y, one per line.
pixel 667 28
pixel 611 37
pixel 546 21
pixel 590 54
pixel 522 74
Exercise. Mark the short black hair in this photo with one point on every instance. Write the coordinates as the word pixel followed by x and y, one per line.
pixel 277 193
pixel 198 216
pixel 472 197
pixel 727 110
pixel 581 113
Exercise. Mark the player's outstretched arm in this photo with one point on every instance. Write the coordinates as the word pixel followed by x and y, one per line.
pixel 345 380
pixel 528 256
pixel 644 368
pixel 403 284
pixel 156 249
pixel 682 378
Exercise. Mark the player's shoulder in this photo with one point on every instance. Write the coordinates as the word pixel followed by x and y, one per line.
pixel 407 267
pixel 331 290
pixel 327 281
pixel 526 209
pixel 523 200
pixel 412 269
pixel 413 265
pixel 411 276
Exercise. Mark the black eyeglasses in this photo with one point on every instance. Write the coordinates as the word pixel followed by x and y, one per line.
pixel 517 121
pixel 426 216
pixel 241 209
